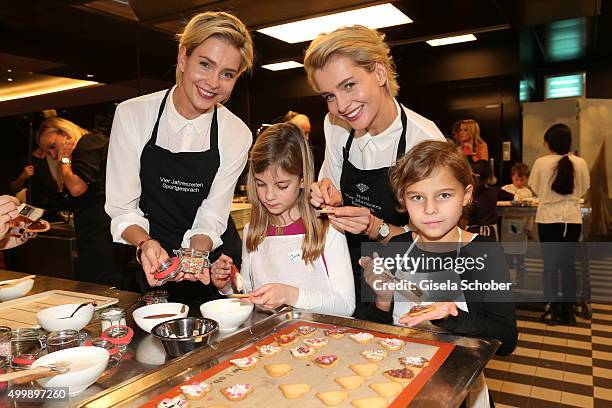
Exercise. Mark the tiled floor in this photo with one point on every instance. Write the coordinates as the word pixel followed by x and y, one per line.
pixel 556 366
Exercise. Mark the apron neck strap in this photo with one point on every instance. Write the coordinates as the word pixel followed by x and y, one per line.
pixel 411 247
pixel 153 139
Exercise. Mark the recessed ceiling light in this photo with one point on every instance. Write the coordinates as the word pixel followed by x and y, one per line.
pixel 90 75
pixel 383 15
pixel 9 70
pixel 10 79
pixel 452 40
pixel 44 85
pixel 279 66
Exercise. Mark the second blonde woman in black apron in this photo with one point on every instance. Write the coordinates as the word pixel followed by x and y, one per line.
pixel 175 156
pixel 366 131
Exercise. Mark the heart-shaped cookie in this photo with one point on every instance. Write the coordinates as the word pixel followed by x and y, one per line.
pixel 387 389
pixel 350 382
pixel 278 370
pixel 364 370
pixel 332 398
pixel 293 391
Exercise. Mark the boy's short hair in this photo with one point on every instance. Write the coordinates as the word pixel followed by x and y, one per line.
pixel 421 161
pixel 520 169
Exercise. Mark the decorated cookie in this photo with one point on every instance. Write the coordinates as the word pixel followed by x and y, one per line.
pixel 335 333
pixel 417 310
pixel 301 352
pixel 392 344
pixel 387 389
pixel 361 338
pixel 196 390
pixel 278 370
pixel 327 361
pixel 332 398
pixel 373 402
pixel 293 391
pixel 307 330
pixel 245 363
pixel 415 362
pixel 176 402
pixel 268 350
pixel 350 382
pixel 237 392
pixel 364 370
pixel 286 339
pixel 374 355
pixel 401 375
pixel 316 342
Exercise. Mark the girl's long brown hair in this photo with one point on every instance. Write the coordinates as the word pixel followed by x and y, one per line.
pixel 283 146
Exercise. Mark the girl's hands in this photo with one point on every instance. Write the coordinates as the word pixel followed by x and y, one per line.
pixel 8 213
pixel 324 194
pixel 441 310
pixel 220 272
pixel 273 295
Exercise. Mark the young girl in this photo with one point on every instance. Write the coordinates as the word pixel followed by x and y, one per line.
pixel 289 255
pixel 433 183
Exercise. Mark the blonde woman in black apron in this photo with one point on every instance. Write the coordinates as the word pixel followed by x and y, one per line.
pixel 175 156
pixel 366 131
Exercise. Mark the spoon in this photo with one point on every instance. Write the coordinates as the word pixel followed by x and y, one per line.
pixel 77 309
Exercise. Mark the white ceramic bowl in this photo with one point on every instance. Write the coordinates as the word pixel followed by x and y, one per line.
pixel 155 309
pixel 49 318
pixel 86 364
pixel 14 292
pixel 150 351
pixel 229 313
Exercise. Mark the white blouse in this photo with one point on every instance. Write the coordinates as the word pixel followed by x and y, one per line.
pixel 132 128
pixel 554 207
pixel 372 152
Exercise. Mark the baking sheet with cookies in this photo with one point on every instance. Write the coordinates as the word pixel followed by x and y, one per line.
pixel 282 380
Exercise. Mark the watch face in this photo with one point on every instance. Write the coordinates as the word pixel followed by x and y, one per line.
pixel 383 230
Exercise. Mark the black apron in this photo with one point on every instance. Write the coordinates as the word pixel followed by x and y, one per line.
pixel 173 188
pixel 370 189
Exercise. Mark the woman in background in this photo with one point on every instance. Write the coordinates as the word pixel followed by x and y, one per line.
pixel 471 144
pixel 559 179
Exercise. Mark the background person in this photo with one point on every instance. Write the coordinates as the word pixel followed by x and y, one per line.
pixel 559 179
pixel 471 144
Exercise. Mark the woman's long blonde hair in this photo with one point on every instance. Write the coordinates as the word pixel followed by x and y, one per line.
pixel 61 126
pixel 474 131
pixel 364 46
pixel 283 146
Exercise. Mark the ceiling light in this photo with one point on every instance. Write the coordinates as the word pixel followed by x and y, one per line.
pixel 9 70
pixel 452 40
pixel 44 85
pixel 279 66
pixel 90 75
pixel 384 15
pixel 10 79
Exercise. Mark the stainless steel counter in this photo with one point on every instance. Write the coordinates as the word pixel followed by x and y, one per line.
pixel 145 370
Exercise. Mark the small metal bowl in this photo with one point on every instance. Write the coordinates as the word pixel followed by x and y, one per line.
pixel 190 332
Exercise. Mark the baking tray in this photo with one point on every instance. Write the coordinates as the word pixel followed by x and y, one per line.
pixel 21 312
pixel 447 387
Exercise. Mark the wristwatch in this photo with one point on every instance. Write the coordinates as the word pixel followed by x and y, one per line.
pixel 383 231
pixel 65 160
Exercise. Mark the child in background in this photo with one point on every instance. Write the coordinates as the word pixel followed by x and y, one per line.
pixel 483 213
pixel 433 183
pixel 289 255
pixel 515 230
pixel 519 187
